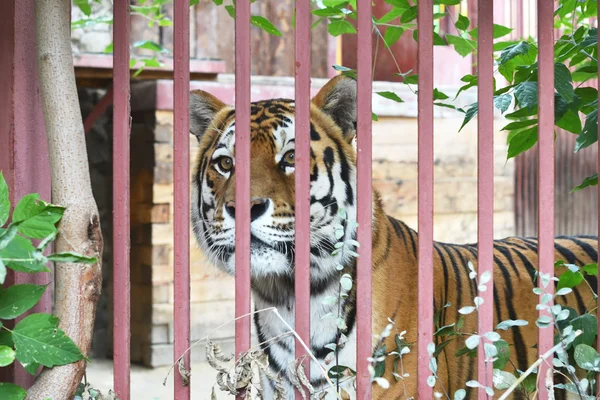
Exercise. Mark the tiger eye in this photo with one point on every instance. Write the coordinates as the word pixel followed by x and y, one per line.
pixel 225 163
pixel 289 158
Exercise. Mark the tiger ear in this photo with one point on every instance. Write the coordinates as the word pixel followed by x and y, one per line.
pixel 203 109
pixel 338 100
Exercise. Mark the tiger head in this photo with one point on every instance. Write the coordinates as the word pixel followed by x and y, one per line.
pixel 332 180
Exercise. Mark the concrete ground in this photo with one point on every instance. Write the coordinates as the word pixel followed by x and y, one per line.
pixel 147 383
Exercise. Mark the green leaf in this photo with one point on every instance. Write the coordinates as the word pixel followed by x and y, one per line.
pixel 437 95
pixel 471 82
pixel 522 141
pixel 503 102
pixel 264 24
pixel 438 40
pixel 589 181
pixel 462 24
pixel 328 12
pixel 512 51
pixel 569 279
pixel 84 6
pixel 336 28
pixel 589 134
pixel 31 368
pixel 392 34
pixel 230 10
pixel 563 82
pixel 499 31
pixel 570 122
pixel 409 15
pixel 39 340
pixel 9 391
pixel 520 124
pixel 37 219
pixel 398 3
pixel 391 96
pixel 17 299
pixel 526 94
pixel 218 2
pixel 448 2
pixel 374 117
pixel 21 248
pixel 390 16
pixel 587 358
pixel 463 46
pixel 7 356
pixel 588 325
pixel 71 257
pixel 4 201
pixel 411 79
pixel 150 45
pixel 469 114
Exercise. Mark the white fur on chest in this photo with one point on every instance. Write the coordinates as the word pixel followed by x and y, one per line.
pixel 323 332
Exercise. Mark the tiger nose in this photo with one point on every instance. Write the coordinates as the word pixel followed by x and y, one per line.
pixel 258 208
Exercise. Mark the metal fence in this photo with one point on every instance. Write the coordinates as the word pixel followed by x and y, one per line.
pixel 122 301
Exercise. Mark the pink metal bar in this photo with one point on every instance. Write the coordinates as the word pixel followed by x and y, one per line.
pixel 425 194
pixel 364 330
pixel 485 179
pixel 545 171
pixel 302 177
pixel 23 145
pixel 242 175
pixel 181 190
pixel 121 206
pixel 598 205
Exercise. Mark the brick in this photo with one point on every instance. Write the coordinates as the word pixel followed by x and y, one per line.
pixel 162 233
pixel 163 152
pixel 163 134
pixel 213 290
pixel 160 334
pixel 163 173
pixel 162 274
pixel 151 213
pixel 141 274
pixel 161 294
pixel 209 314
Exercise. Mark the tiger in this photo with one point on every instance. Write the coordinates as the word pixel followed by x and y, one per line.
pixel 333 128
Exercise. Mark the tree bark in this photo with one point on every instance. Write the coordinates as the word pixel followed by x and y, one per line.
pixel 77 286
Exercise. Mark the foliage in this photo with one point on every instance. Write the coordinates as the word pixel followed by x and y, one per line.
pixel 36 339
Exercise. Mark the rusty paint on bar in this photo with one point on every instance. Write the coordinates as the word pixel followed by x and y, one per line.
pixel 181 191
pixel 425 194
pixel 242 176
pixel 545 171
pixel 121 205
pixel 485 180
pixel 364 330
pixel 302 181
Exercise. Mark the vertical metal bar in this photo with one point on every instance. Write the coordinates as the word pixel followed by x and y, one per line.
pixel 121 198
pixel 598 201
pixel 242 175
pixel 545 170
pixel 485 180
pixel 181 190
pixel 364 333
pixel 302 177
pixel 425 194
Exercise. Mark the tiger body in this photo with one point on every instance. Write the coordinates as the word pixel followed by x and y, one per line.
pixel 333 187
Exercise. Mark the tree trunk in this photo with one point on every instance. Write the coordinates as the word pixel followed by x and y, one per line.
pixel 77 285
